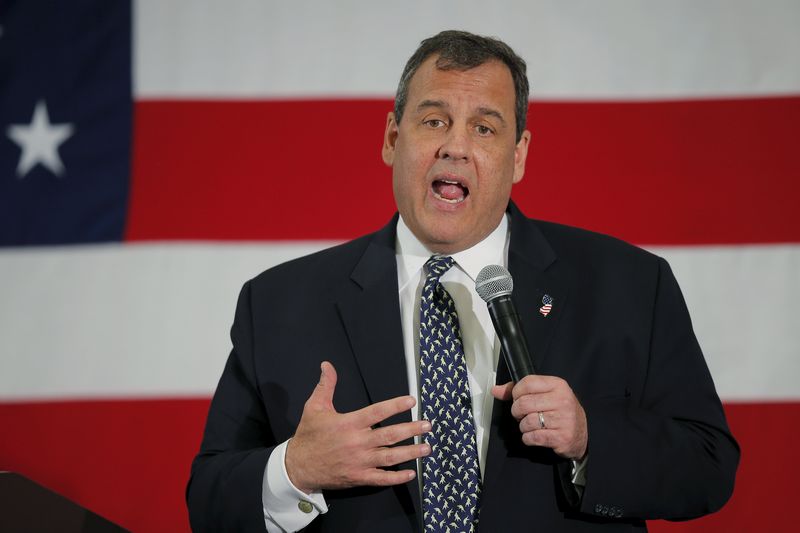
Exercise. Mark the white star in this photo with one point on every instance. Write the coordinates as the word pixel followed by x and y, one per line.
pixel 40 141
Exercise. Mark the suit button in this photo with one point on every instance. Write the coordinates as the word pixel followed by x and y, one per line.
pixel 305 506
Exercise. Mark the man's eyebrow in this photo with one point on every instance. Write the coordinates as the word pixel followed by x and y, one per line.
pixel 431 103
pixel 483 111
pixel 488 111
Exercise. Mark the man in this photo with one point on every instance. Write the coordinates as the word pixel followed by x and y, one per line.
pixel 360 393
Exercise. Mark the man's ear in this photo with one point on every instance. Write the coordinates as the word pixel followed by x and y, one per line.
pixel 389 139
pixel 520 155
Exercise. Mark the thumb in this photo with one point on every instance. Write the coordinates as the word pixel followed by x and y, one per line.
pixel 503 392
pixel 322 395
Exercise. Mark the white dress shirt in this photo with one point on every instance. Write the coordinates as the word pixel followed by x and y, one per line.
pixel 481 347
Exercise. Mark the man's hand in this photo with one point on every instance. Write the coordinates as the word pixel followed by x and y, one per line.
pixel 333 450
pixel 565 430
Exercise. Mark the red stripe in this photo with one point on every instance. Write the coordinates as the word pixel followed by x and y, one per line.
pixel 129 460
pixel 766 482
pixel 693 172
pixel 125 460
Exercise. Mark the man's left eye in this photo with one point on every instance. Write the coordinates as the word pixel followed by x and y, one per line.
pixel 483 130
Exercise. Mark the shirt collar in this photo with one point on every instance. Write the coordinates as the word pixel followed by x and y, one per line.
pixel 412 254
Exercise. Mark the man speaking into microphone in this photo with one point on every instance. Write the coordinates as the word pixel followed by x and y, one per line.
pixel 366 390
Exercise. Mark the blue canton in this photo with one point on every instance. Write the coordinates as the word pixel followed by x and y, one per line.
pixel 67 64
pixel 451 481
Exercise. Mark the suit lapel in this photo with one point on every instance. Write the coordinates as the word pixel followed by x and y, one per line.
pixel 537 279
pixel 373 326
pixel 370 312
pixel 536 272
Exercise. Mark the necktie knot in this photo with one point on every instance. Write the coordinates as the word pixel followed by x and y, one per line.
pixel 437 265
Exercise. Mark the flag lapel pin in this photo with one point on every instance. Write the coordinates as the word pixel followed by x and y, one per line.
pixel 547 305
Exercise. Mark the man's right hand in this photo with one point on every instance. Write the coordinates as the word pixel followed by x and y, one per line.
pixel 333 450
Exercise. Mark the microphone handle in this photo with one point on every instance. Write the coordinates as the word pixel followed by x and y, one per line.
pixel 512 338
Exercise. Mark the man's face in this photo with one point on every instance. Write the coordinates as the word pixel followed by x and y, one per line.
pixel 454 156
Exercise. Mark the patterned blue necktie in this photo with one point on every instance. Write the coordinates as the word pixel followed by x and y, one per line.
pixel 451 481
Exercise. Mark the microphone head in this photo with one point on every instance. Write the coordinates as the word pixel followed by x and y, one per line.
pixel 493 281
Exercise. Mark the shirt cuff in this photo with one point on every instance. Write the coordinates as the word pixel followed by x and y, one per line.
pixel 579 472
pixel 287 508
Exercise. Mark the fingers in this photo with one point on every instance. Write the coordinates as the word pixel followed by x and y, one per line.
pixel 533 384
pixel 384 478
pixel 378 412
pixel 503 392
pixel 529 403
pixel 562 443
pixel 541 393
pixel 332 450
pixel 389 435
pixel 560 440
pixel 384 457
pixel 531 422
pixel 322 395
pixel 550 398
pixel 537 384
pixel 544 437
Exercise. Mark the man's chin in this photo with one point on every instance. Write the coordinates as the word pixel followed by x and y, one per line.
pixel 442 231
pixel 448 242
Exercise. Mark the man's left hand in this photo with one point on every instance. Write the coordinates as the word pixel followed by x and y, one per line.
pixel 549 399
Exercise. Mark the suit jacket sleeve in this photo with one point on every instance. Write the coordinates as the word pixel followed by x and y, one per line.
pixel 663 450
pixel 224 492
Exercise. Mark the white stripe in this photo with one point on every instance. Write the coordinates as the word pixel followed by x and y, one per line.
pixel 123 320
pixel 153 320
pixel 578 49
pixel 745 306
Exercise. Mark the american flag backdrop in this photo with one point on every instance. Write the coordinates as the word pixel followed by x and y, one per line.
pixel 155 155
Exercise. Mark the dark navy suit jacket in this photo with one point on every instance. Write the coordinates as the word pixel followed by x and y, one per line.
pixel 618 332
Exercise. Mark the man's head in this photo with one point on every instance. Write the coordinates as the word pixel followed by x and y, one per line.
pixel 456 140
pixel 460 50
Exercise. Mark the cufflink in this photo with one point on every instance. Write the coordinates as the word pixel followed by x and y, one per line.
pixel 305 506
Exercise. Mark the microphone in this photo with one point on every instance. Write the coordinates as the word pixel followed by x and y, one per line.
pixel 494 285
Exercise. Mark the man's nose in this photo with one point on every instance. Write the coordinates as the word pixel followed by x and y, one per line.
pixel 456 145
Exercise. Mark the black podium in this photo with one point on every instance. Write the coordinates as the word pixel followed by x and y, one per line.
pixel 27 506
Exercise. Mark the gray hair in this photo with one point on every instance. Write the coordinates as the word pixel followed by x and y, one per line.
pixel 461 50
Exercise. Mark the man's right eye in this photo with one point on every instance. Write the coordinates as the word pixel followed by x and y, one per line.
pixel 434 123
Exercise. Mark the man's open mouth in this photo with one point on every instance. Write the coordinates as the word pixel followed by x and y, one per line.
pixel 449 191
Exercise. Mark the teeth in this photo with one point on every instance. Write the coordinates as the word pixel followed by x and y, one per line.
pixel 449 182
pixel 449 201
